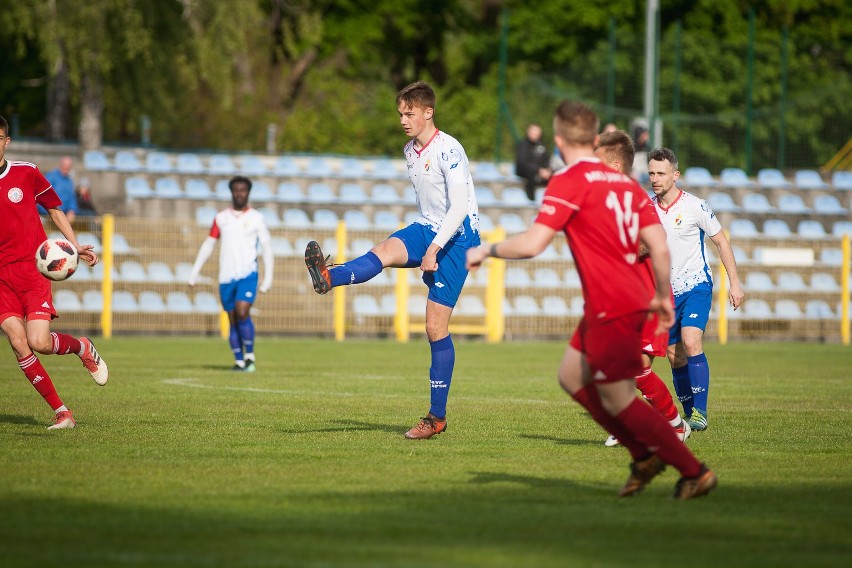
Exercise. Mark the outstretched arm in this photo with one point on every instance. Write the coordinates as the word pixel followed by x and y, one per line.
pixel 726 254
pixel 203 254
pixel 528 244
pixel 59 219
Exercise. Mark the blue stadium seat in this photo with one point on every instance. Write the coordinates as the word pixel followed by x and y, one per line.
pixel 159 271
pixel 810 229
pixel 384 169
pixel 809 179
pixel 188 163
pixel 96 161
pixel 351 168
pixel 120 245
pixel 197 189
pixel 829 256
pixel 66 301
pixel 290 192
pixel 167 188
pixel 409 196
pixel 281 246
pixel 410 217
pixel 356 220
pixel 756 203
pixel 824 282
pixel 572 279
pixel 286 166
pixel 549 253
pixel 735 177
pixel 546 278
pixel 325 219
pixel 517 277
pixel 318 168
pixel 818 309
pixel 221 164
pixel 151 302
pixel 471 306
pixel 126 161
pixel 840 228
pixel 842 180
pixel 132 271
pixel 204 215
pixel 776 228
pixel 743 229
pixel 386 220
pixel 270 216
pixel 788 309
pixel 384 194
pixel 512 223
pixel 515 197
pixel 321 193
pixel 486 172
pixel 722 202
pixel 793 204
pixel 756 309
pixel 87 238
pixel 577 305
pixel 525 305
pixel 554 306
pixel 179 303
pixel 699 177
pixel 828 205
pixel 252 166
pixel 260 191
pixel 365 305
pixel 791 282
pixel 296 219
pixel 486 223
pixel 756 281
pixel 353 193
pixel 124 302
pixel 93 300
pixel 772 178
pixel 158 163
pixel 137 188
pixel 207 303
pixel 221 190
pixel 485 197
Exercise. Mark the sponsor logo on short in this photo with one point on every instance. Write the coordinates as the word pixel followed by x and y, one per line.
pixel 439 284
pixel 693 316
pixel 16 195
pixel 45 305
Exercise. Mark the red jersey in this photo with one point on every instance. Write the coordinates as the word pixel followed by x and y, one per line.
pixel 22 185
pixel 601 212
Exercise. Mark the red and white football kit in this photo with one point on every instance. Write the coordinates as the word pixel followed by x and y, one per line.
pixel 601 212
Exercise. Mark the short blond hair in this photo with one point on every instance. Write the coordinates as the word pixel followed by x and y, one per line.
pixel 617 145
pixel 417 94
pixel 576 123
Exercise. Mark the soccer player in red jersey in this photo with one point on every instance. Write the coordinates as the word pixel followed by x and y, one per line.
pixel 26 303
pixel 615 149
pixel 604 215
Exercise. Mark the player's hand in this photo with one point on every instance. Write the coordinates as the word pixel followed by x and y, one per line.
pixel 665 312
pixel 430 259
pixel 264 288
pixel 87 253
pixel 191 282
pixel 476 255
pixel 736 296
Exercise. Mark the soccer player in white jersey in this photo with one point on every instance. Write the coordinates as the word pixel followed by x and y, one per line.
pixel 240 229
pixel 436 242
pixel 687 219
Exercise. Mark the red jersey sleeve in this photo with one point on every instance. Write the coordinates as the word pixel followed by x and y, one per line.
pixel 214 230
pixel 44 192
pixel 557 207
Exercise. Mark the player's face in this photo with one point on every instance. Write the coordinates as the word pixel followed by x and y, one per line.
pixel 413 119
pixel 240 195
pixel 663 176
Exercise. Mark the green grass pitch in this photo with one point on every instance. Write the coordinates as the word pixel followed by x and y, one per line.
pixel 180 462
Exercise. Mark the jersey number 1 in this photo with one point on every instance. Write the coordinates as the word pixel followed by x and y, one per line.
pixel 626 219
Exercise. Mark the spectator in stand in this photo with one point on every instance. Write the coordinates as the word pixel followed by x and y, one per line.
pixel 63 184
pixel 532 161
pixel 85 206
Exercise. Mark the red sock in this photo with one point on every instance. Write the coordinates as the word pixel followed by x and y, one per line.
pixel 590 399
pixel 38 377
pixel 657 394
pixel 650 429
pixel 63 344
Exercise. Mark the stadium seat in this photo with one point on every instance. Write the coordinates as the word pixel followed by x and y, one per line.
pixel 188 163
pixel 840 228
pixel 221 165
pixel 824 282
pixel 743 229
pixel 758 282
pixel 828 205
pixel 740 255
pixel 318 168
pixel 554 306
pixel 151 302
pixel 572 279
pixel 698 177
pixel 179 303
pixel 296 219
pixel 409 196
pixel 756 203
pixel 842 180
pixel 66 301
pixel 818 309
pixel 124 302
pixel 387 304
pixel 325 219
pixel 791 282
pixel 197 189
pixel 512 222
pixel 87 238
pixel 549 253
pixel 356 220
pixel 159 271
pixel 525 305
pixel 809 179
pixel 788 309
pixel 410 217
pixel 757 309
pixel 167 188
pixel 158 163
pixel 93 301
pixel 515 197
pixel 351 168
pixel 386 220
pixel 96 161
pixel 365 305
pixel 290 192
pixel 485 197
pixel 132 271
pixel 417 305
pixel 486 223
pixel 777 229
pixel 137 188
pixel 384 168
pixel 353 193
pixel 793 204
pixel 281 247
pixel 286 166
pixel 261 192
pixel 221 191
pixel 120 245
pixel 517 277
pixel 810 229
pixel 384 194
pixel 126 161
pixel 577 305
pixel 546 278
pixel 83 273
pixel 772 178
pixel 321 193
pixel 204 215
pixel 270 216
pixel 207 303
pixel 486 172
pixel 252 166
pixel 735 177
pixel 829 256
pixel 722 202
pixel 471 306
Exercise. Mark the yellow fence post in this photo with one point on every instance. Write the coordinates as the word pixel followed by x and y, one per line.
pixel 844 292
pixel 495 319
pixel 107 231
pixel 340 291
pixel 401 320
pixel 224 325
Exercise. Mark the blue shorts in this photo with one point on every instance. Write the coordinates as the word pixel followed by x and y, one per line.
pixel 243 290
pixel 445 284
pixel 692 309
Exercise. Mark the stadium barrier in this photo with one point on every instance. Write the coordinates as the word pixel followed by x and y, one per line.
pixel 140 287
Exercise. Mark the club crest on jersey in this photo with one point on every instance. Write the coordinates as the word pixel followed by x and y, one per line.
pixel 16 195
pixel 426 166
pixel 678 220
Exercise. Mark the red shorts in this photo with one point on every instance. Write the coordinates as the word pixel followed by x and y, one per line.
pixel 654 345
pixel 612 347
pixel 25 293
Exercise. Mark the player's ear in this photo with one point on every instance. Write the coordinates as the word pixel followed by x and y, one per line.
pixel 428 113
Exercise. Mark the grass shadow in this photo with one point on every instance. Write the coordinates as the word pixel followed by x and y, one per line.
pixel 561 441
pixel 353 426
pixel 18 419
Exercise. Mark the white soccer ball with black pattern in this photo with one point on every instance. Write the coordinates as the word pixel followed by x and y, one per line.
pixel 56 259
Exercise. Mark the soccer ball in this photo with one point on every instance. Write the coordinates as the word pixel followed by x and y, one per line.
pixel 56 259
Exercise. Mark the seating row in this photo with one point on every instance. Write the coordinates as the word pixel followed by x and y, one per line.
pixel 148 301
pixel 758 309
pixel 767 178
pixel 779 229
pixel 790 203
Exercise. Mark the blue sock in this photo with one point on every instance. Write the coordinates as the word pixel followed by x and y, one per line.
pixel 441 374
pixel 356 271
pixel 246 328
pixel 699 376
pixel 236 345
pixel 683 388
